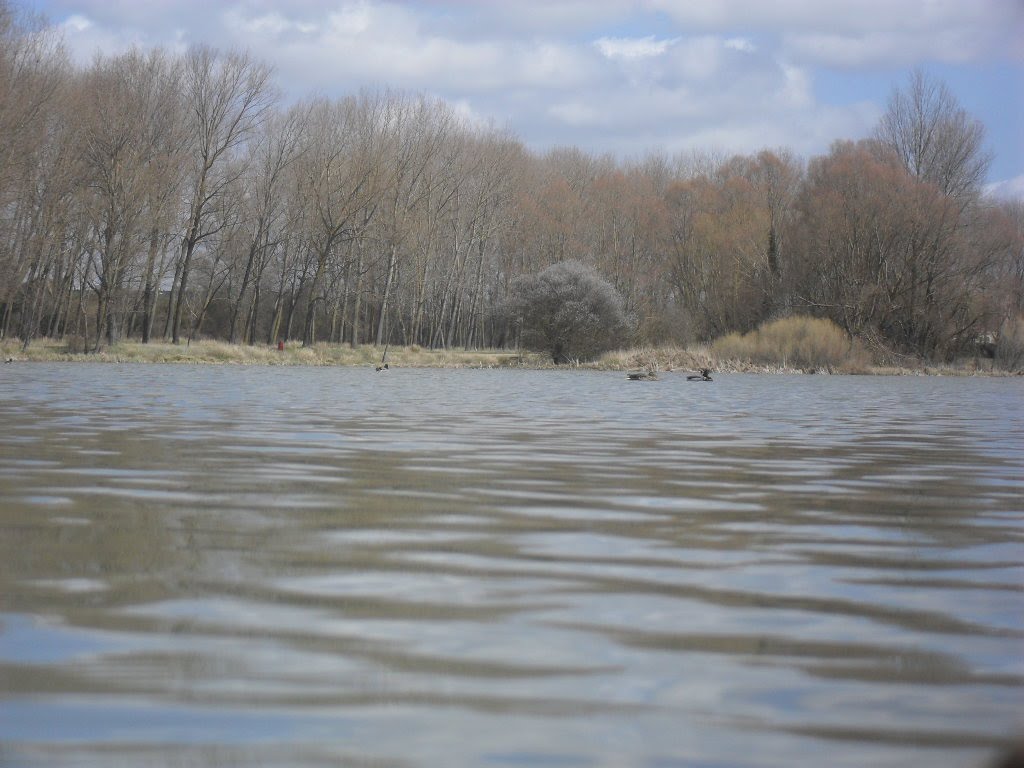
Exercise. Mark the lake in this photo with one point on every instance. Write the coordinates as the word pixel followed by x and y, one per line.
pixel 259 566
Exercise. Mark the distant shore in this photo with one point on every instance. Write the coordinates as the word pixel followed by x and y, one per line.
pixel 660 359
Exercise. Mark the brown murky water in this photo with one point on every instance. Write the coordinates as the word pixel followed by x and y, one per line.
pixel 212 566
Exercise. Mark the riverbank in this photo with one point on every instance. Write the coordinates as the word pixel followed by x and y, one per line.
pixel 662 359
pixel 220 352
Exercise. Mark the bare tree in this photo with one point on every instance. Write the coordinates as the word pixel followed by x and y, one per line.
pixel 886 255
pixel 165 132
pixel 935 138
pixel 130 150
pixel 388 218
pixel 719 260
pixel 228 96
pixel 44 218
pixel 492 191
pixel 33 67
pixel 341 177
pixel 34 71
pixel 416 130
pixel 275 149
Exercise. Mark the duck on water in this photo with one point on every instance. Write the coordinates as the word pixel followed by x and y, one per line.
pixel 650 375
pixel 704 375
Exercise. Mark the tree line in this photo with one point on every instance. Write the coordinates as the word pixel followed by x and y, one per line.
pixel 173 196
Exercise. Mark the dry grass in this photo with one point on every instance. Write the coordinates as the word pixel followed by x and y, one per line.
pixel 666 358
pixel 786 346
pixel 801 343
pixel 219 352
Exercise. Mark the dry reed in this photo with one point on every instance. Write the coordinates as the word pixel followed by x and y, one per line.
pixel 801 343
pixel 785 346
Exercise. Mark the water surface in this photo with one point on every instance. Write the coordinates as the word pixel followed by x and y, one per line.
pixel 205 565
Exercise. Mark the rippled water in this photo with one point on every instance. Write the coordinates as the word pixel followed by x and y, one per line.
pixel 313 567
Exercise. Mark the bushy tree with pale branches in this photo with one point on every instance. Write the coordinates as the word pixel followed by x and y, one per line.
pixel 569 311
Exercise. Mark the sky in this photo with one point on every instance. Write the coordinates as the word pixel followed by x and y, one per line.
pixel 615 76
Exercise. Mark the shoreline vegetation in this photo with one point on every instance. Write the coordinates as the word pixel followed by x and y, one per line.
pixel 661 359
pixel 174 195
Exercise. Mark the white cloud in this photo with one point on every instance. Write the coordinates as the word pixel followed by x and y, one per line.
pixel 77 23
pixel 868 32
pixel 546 17
pixel 468 116
pixel 269 25
pixel 740 44
pixel 796 90
pixel 85 37
pixel 807 133
pixel 604 75
pixel 632 48
pixel 356 20
pixel 698 58
pixel 890 48
pixel 580 113
pixel 1008 189
pixel 390 45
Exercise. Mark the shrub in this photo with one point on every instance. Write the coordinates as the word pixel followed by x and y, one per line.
pixel 569 312
pixel 798 342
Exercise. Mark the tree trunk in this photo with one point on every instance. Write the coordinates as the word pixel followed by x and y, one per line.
pixel 250 323
pixel 186 265
pixel 357 299
pixel 475 314
pixel 237 304
pixel 388 281
pixel 171 300
pixel 149 292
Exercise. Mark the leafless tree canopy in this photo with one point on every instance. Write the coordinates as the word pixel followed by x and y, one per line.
pixel 935 138
pixel 157 195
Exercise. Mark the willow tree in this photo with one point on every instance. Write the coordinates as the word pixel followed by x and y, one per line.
pixel 568 311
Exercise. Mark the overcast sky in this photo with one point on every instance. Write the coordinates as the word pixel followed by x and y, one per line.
pixel 611 75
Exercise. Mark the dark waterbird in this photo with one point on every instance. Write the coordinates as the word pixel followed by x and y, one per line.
pixel 704 375
pixel 642 375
